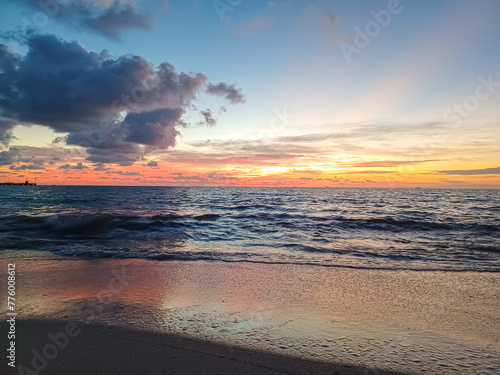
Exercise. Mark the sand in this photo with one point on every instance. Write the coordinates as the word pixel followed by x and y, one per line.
pixel 399 321
pixel 99 349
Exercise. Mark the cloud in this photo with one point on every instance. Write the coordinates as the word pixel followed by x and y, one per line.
pixel 394 145
pixel 346 146
pixel 215 176
pixel 6 127
pixel 125 144
pixel 37 165
pixel 78 166
pixel 100 167
pixel 62 86
pixel 8 157
pixel 212 177
pixel 121 173
pixel 109 18
pixel 152 163
pixel 153 128
pixel 366 172
pixel 258 24
pixel 330 19
pixel 208 118
pixel 112 21
pixel 229 92
pixel 26 167
pixel 455 181
pixel 36 155
pixel 371 132
pixel 390 163
pixel 471 172
pixel 182 177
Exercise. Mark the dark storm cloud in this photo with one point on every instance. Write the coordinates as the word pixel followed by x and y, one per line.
pixel 153 128
pixel 130 138
pixel 62 86
pixel 6 135
pixel 124 155
pixel 7 63
pixel 152 163
pixel 109 18
pixel 229 92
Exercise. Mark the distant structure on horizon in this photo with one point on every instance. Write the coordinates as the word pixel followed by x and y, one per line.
pixel 25 183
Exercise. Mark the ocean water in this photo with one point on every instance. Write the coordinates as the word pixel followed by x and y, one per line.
pixel 392 229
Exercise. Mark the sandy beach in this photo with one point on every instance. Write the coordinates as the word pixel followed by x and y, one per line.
pixel 256 318
pixel 99 349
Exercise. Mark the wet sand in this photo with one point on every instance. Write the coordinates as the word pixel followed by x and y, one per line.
pixel 400 321
pixel 99 349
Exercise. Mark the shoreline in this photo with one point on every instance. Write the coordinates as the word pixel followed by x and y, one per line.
pixel 34 255
pixel 405 322
pixel 99 349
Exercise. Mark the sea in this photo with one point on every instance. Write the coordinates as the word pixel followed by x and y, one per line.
pixel 387 229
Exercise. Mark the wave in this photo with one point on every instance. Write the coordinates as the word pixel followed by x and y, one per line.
pixel 105 222
pixel 388 223
pixel 96 223
pixel 207 217
pixel 315 238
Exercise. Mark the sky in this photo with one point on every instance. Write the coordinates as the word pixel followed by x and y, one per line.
pixel 363 93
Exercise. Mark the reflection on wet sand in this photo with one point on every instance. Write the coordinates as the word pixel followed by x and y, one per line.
pixel 399 320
